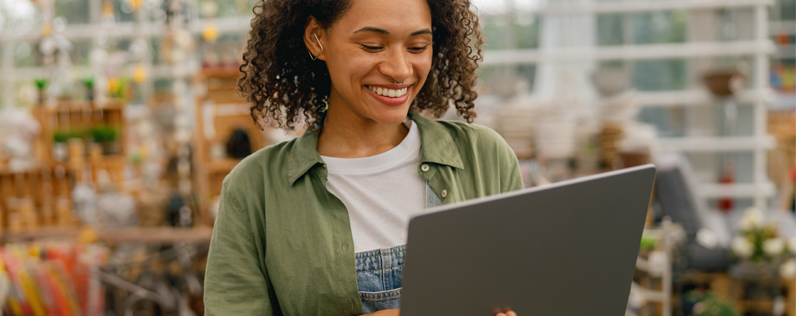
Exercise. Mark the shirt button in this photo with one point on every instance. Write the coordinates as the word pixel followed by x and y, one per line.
pixel 424 167
pixel 444 193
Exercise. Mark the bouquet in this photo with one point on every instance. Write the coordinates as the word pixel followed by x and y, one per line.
pixel 758 242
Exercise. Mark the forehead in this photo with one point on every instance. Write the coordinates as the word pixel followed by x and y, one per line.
pixel 395 16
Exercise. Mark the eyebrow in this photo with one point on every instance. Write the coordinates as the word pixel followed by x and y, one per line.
pixel 385 32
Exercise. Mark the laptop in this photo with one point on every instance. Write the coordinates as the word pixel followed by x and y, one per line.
pixel 565 249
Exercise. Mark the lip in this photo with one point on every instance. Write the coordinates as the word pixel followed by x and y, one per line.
pixel 387 100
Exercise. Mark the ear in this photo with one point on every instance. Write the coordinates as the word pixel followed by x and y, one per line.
pixel 313 38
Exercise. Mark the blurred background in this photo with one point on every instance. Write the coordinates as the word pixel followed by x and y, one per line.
pixel 119 119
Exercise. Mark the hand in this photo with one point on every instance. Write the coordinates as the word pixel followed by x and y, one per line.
pixel 509 313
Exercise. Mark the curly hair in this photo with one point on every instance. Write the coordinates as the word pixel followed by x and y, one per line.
pixel 283 85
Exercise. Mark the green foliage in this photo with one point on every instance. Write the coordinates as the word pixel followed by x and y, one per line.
pixel 41 83
pixel 103 134
pixel 64 136
pixel 88 82
pixel 97 134
pixel 648 242
pixel 711 305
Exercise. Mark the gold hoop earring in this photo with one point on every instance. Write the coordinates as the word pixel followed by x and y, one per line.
pixel 319 44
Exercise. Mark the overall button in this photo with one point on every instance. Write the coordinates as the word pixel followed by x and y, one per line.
pixel 444 193
pixel 424 167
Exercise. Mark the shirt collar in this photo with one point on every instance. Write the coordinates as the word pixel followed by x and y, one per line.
pixel 437 147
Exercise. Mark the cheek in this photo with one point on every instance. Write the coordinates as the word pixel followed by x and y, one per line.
pixel 423 65
pixel 351 68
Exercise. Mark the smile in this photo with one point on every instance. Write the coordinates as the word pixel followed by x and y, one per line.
pixel 388 92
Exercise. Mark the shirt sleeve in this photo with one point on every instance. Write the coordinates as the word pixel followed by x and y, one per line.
pixel 236 282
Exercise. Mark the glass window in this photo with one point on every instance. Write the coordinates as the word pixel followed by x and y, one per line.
pixel 74 11
pixel 610 29
pixel 659 27
pixel 659 74
pixel 25 54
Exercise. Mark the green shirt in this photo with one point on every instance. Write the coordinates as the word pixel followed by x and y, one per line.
pixel 282 243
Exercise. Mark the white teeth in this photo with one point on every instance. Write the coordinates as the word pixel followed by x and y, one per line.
pixel 388 92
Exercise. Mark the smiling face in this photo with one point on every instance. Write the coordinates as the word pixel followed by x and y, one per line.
pixel 375 44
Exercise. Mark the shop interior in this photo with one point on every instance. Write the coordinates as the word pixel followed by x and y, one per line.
pixel 119 119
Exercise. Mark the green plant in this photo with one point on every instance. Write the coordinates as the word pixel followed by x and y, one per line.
pixel 62 136
pixel 648 242
pixel 103 134
pixel 757 241
pixel 88 82
pixel 711 305
pixel 41 83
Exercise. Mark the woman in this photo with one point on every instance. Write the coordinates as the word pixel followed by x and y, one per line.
pixel 316 225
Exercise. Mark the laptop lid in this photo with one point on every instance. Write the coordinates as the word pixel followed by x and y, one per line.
pixel 565 249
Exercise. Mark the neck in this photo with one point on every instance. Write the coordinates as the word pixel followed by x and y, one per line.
pixel 346 134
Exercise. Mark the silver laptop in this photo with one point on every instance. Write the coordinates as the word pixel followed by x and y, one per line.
pixel 563 249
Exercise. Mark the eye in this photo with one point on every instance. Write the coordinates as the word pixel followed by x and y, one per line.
pixel 371 48
pixel 418 49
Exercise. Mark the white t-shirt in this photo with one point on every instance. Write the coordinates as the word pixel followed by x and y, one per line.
pixel 381 192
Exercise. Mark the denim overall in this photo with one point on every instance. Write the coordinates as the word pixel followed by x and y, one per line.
pixel 380 271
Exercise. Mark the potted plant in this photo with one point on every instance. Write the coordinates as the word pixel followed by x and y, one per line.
pixel 41 85
pixel 758 246
pixel 60 139
pixel 106 137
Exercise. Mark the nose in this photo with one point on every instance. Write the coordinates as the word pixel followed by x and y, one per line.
pixel 396 65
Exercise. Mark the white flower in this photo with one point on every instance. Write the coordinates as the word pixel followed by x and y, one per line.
pixel 773 246
pixel 788 269
pixel 742 247
pixel 792 244
pixel 752 219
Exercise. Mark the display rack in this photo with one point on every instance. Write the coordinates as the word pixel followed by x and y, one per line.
pixel 68 117
pixel 219 112
pixel 146 235
pixel 759 95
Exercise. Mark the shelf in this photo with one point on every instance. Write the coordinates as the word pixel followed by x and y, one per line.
pixel 737 190
pixel 220 72
pixel 157 235
pixel 222 165
pixel 232 109
pixel 786 51
pixel 782 27
pixel 147 235
pixel 783 101
pixel 717 144
pixel 629 52
pixel 130 29
pixel 645 6
pixel 698 96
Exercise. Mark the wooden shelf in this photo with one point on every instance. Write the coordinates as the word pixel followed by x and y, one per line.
pixel 157 235
pixel 144 235
pixel 224 165
pixel 223 111
pixel 220 72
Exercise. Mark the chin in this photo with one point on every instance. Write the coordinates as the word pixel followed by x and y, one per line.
pixel 392 115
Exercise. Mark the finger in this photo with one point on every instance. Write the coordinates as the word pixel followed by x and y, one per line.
pixel 511 313
pixel 500 314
